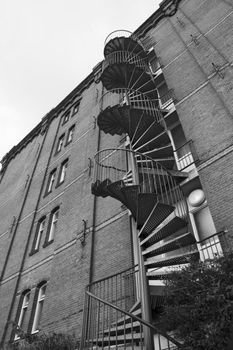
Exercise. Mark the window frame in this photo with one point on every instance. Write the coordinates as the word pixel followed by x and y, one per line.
pixel 51 230
pixel 70 132
pixel 66 116
pixel 39 303
pixel 51 181
pixel 22 309
pixel 76 105
pixel 62 172
pixel 38 235
pixel 60 143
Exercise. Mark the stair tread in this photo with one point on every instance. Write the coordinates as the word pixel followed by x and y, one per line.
pixel 175 243
pixel 166 228
pixel 175 260
pixel 157 216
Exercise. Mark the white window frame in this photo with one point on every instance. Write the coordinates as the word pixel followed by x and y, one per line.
pixel 52 178
pixel 39 233
pixel 39 308
pixel 76 107
pixel 66 116
pixel 70 134
pixel 63 170
pixel 53 225
pixel 60 143
pixel 23 311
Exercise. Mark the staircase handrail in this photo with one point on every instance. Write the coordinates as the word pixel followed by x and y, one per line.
pixel 136 318
pixel 125 90
pixel 135 153
pixel 127 34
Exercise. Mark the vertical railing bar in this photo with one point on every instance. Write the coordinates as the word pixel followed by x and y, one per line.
pixel 132 334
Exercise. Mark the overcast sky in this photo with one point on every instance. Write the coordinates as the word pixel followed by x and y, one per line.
pixel 47 47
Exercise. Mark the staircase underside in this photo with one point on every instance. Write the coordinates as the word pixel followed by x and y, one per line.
pixel 126 75
pixel 124 44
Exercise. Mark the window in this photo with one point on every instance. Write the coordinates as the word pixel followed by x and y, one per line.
pixel 70 134
pixel 51 181
pixel 52 226
pixel 60 143
pixel 39 300
pixel 62 174
pixel 66 117
pixel 23 311
pixel 39 231
pixel 76 108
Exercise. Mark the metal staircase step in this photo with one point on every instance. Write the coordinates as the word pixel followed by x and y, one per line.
pixel 172 260
pixel 143 129
pixel 164 151
pixel 125 74
pixel 124 328
pixel 167 227
pixel 158 274
pixel 115 191
pixel 120 339
pixel 157 216
pixel 131 195
pixel 146 203
pixel 126 319
pixel 161 247
pixel 157 140
pixel 124 44
pixel 99 188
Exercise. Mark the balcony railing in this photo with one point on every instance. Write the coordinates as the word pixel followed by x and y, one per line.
pixel 131 98
pixel 185 155
pixel 215 246
pixel 122 33
pixel 134 168
pixel 126 57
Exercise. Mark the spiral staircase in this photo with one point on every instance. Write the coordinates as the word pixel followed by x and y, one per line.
pixel 142 175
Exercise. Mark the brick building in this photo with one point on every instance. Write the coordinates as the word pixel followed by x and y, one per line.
pixel 150 130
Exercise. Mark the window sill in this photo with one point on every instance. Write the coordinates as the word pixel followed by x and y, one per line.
pixel 48 243
pixel 34 251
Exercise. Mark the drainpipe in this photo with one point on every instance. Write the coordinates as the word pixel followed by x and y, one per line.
pixel 31 227
pixel 94 214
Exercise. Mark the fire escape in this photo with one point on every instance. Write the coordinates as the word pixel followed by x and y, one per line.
pixel 143 177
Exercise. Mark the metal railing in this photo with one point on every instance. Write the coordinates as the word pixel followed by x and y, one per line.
pixel 117 57
pixel 112 165
pixel 127 330
pixel 121 289
pixel 215 246
pixel 185 155
pixel 133 98
pixel 122 33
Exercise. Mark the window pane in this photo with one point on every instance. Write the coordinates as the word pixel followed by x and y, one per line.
pixel 39 234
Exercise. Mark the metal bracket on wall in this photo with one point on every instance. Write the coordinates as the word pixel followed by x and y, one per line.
pixel 194 39
pixel 181 23
pixel 94 122
pixel 83 237
pixel 217 69
pixel 90 166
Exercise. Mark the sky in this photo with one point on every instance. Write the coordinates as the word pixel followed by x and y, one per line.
pixel 47 47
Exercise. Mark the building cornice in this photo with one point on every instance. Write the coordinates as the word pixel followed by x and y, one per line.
pixel 167 8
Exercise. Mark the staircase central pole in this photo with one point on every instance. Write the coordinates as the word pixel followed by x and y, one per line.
pixel 144 287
